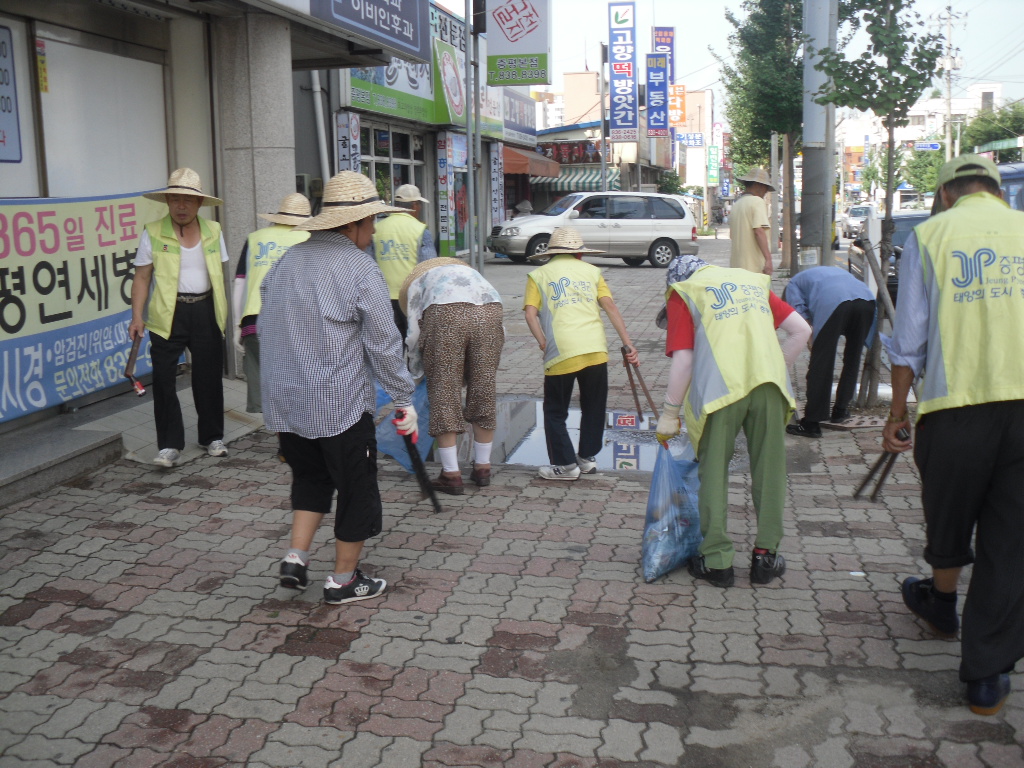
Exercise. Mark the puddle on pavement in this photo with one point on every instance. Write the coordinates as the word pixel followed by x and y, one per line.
pixel 629 442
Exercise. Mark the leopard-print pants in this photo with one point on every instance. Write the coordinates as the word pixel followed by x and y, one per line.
pixel 461 344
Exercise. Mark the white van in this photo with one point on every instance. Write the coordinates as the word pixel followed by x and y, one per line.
pixel 632 226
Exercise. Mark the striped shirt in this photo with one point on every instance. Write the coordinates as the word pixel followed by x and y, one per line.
pixel 326 330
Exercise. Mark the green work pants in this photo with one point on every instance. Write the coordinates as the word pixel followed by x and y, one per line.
pixel 762 415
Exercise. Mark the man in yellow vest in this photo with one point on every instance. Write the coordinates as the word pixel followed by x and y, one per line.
pixel 263 249
pixel 563 304
pixel 960 327
pixel 178 295
pixel 729 373
pixel 400 242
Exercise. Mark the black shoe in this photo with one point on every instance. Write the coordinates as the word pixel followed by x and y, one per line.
pixel 940 615
pixel 360 588
pixel 293 573
pixel 986 696
pixel 840 416
pixel 766 567
pixel 716 577
pixel 800 429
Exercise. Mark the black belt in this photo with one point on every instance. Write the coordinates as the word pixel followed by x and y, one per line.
pixel 193 298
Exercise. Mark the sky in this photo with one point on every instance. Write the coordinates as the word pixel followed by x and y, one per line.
pixel 988 33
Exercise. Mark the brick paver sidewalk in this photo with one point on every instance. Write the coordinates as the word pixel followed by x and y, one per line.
pixel 142 623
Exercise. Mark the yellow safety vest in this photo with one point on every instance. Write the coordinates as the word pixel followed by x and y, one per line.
pixel 265 248
pixel 735 346
pixel 396 244
pixel 972 258
pixel 163 293
pixel 569 313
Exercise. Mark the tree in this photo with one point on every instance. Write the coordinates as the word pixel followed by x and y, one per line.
pixel 921 171
pixel 668 183
pixel 887 79
pixel 1004 123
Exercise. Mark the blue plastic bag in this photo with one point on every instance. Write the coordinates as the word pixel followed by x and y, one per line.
pixel 389 442
pixel 672 528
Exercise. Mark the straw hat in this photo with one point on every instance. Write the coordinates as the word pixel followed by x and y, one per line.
pixel 348 197
pixel 566 240
pixel 758 175
pixel 409 193
pixel 294 209
pixel 183 181
pixel 421 269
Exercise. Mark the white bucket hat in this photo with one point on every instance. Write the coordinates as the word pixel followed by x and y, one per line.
pixel 294 209
pixel 183 181
pixel 409 193
pixel 348 197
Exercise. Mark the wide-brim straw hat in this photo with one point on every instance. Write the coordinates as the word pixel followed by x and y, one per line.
pixel 566 240
pixel 758 175
pixel 421 269
pixel 183 181
pixel 294 209
pixel 348 197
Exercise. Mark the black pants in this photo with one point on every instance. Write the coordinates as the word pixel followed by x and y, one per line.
pixel 972 461
pixel 851 320
pixel 593 382
pixel 194 328
pixel 401 321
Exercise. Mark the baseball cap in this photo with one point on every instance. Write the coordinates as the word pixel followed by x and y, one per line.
pixel 968 165
pixel 409 193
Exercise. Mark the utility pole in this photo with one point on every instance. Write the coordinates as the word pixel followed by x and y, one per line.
pixel 604 132
pixel 950 62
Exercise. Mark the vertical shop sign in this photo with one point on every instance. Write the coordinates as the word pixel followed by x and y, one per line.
pixel 497 181
pixel 445 180
pixel 625 121
pixel 519 42
pixel 663 42
pixel 348 141
pixel 44 78
pixel 66 270
pixel 677 106
pixel 657 95
pixel 712 165
pixel 10 130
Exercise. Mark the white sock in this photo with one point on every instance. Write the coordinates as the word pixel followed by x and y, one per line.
pixel 482 452
pixel 449 458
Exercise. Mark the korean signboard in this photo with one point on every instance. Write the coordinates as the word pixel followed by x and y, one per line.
pixel 657 95
pixel 348 141
pixel 677 106
pixel 712 165
pixel 625 122
pixel 402 88
pixel 520 113
pixel 663 42
pixel 65 297
pixel 691 139
pixel 400 26
pixel 497 166
pixel 519 42
pixel 10 129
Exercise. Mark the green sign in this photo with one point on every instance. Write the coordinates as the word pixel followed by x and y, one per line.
pixel 518 70
pixel 1001 144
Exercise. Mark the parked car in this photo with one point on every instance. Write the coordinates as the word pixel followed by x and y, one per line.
pixel 905 223
pixel 853 219
pixel 632 226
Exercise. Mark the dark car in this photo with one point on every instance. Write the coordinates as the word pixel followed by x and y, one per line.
pixel 905 223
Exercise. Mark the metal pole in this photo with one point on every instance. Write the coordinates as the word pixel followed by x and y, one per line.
pixel 604 133
pixel 949 83
pixel 775 195
pixel 481 217
pixel 470 103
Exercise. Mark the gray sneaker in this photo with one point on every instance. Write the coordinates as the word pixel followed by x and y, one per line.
pixel 216 448
pixel 587 466
pixel 555 472
pixel 168 457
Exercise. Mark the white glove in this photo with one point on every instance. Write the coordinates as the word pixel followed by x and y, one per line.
pixel 668 423
pixel 238 341
pixel 406 421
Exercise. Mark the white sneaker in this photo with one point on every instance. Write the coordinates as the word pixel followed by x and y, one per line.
pixel 587 466
pixel 167 457
pixel 217 448
pixel 555 472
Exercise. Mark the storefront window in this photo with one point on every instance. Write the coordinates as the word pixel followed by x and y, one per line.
pixel 364 141
pixel 381 143
pixel 402 148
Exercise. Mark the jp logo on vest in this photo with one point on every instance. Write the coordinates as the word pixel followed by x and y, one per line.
pixel 723 294
pixel 971 266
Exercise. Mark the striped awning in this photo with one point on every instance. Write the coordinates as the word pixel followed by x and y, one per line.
pixel 577 178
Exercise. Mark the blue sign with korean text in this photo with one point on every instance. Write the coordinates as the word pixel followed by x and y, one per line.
pixel 402 26
pixel 657 94
pixel 691 139
pixel 624 124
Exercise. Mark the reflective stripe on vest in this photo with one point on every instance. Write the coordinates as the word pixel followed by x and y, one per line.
pixel 265 247
pixel 396 246
pixel 972 258
pixel 569 313
pixel 163 293
pixel 735 347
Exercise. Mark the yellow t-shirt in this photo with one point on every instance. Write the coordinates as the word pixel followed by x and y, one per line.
pixel 573 364
pixel 748 213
